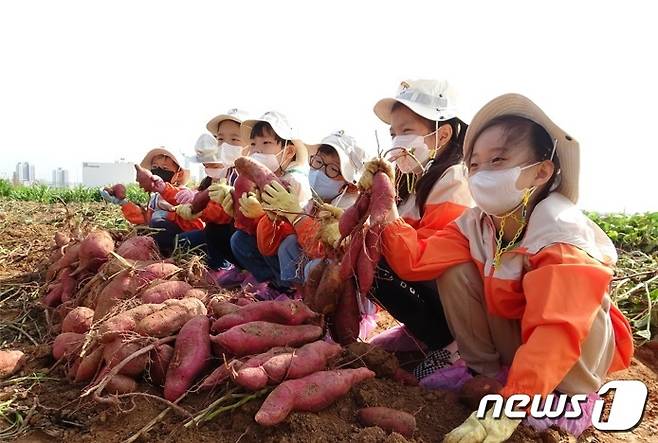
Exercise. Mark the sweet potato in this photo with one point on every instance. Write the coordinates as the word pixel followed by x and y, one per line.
pixel 153 271
pixel 311 393
pixel 298 363
pixel 349 262
pixel 191 357
pixel 62 239
pixel 94 251
pixel 368 259
pixel 117 350
pixel 405 377
pixel 286 312
pixel 200 201
pixel 345 327
pixel 160 359
pixel 126 321
pixel 390 420
pixel 165 291
pixel 219 375
pixel 258 336
pixel 354 215
pixel 171 318
pixel 243 185
pixel 121 384
pixel 382 200
pixel 476 388
pixel 70 257
pixel 220 308
pixel 196 293
pixel 88 366
pixel 78 320
pixel 10 362
pixel 119 191
pixel 311 284
pixel 256 172
pixel 329 290
pixel 67 343
pixel 141 247
pixel 119 288
pixel 147 181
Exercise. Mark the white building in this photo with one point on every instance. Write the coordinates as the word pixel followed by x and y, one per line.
pixel 105 174
pixel 61 178
pixel 24 174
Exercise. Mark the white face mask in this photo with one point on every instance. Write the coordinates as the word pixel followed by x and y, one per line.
pixel 495 191
pixel 326 188
pixel 269 160
pixel 216 173
pixel 229 153
pixel 406 144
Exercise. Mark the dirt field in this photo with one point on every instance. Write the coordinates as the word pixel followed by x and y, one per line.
pixel 39 404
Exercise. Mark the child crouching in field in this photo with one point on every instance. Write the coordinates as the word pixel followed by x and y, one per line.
pixel 160 212
pixel 524 276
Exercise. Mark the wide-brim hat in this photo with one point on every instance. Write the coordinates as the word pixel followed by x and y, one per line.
pixel 276 120
pixel 235 114
pixel 148 158
pixel 566 147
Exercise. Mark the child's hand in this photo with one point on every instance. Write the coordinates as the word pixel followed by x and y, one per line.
pixel 329 211
pixel 184 211
pixel 329 231
pixel 278 199
pixel 217 191
pixel 184 196
pixel 250 206
pixel 372 167
pixel 227 205
pixel 111 198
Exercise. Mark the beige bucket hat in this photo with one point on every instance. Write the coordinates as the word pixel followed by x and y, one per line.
pixel 161 150
pixel 235 114
pixel 566 147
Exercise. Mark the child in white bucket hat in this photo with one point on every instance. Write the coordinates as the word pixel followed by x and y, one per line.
pixel 432 191
pixel 272 255
pixel 524 276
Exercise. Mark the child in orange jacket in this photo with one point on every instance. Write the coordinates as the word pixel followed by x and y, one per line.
pixel 524 276
pixel 160 212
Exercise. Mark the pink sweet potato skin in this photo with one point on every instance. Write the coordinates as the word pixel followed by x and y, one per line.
pixel 121 384
pixel 116 290
pixel 243 185
pixel 165 291
pixel 299 363
pixel 119 191
pixel 94 251
pixel 258 336
pixel 88 366
pixel 256 172
pixel 191 357
pixel 220 308
pixel 11 362
pixel 346 319
pixel 117 350
pixel 70 257
pixel 200 201
pixel 288 312
pixel 160 359
pixel 126 321
pixel 329 290
pixel 171 318
pixel 67 343
pixel 78 320
pixel 311 393
pixel 390 420
pixel 140 247
pixel 382 200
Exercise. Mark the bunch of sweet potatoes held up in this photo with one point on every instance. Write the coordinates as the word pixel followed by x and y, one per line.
pixel 124 318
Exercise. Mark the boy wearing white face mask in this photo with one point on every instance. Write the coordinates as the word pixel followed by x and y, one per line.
pixel 432 191
pixel 273 255
pixel 217 153
pixel 524 276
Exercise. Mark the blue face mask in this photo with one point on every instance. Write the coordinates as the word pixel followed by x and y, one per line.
pixel 326 188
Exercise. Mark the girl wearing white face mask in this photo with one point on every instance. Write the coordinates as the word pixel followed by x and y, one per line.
pixel 432 191
pixel 524 276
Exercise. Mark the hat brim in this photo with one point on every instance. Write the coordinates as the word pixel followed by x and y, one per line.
pixel 213 125
pixel 247 125
pixel 384 107
pixel 567 148
pixel 347 169
pixel 148 158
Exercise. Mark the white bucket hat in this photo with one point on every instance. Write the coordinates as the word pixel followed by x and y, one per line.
pixel 277 121
pixel 432 99
pixel 206 149
pixel 567 148
pixel 235 114
pixel 352 157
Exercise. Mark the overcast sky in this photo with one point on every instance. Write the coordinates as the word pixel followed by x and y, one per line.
pixel 98 81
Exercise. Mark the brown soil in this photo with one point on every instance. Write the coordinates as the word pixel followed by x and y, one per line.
pixel 52 409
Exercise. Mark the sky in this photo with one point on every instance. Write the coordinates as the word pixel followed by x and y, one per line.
pixel 100 81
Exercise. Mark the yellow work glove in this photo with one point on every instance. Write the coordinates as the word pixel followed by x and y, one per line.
pixel 217 191
pixel 329 216
pixel 280 200
pixel 250 206
pixel 371 168
pixel 185 212
pixel 227 205
pixel 488 429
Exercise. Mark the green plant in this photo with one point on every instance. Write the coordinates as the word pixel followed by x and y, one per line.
pixel 79 194
pixel 630 232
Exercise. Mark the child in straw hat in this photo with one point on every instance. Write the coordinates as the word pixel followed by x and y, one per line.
pixel 524 276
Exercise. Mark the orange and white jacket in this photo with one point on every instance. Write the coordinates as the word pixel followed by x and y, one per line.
pixel 447 200
pixel 554 281
pixel 307 228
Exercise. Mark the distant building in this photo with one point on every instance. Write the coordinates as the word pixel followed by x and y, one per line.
pixel 104 174
pixel 61 178
pixel 24 174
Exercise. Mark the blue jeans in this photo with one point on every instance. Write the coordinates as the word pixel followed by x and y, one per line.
pixel 280 269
